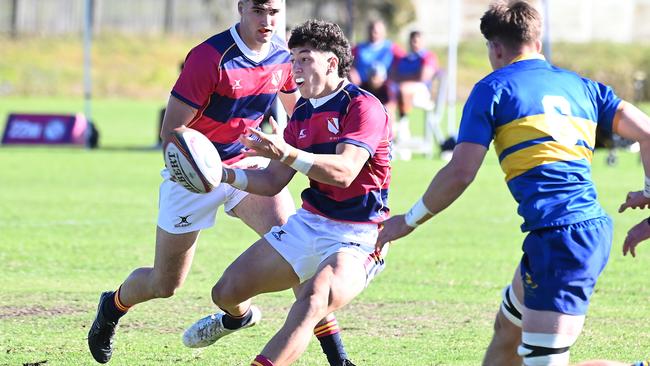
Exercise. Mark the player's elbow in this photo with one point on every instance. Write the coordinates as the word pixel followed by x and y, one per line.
pixel 343 178
pixel 463 177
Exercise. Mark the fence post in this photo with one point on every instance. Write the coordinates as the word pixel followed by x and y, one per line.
pixel 169 16
pixel 14 19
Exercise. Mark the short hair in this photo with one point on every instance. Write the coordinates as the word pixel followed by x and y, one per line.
pixel 414 34
pixel 325 37
pixel 256 2
pixel 513 24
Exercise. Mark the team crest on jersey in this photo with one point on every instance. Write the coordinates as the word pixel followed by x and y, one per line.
pixel 302 134
pixel 236 85
pixel 276 77
pixel 333 125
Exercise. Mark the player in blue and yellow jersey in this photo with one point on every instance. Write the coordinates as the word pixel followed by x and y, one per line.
pixel 339 137
pixel 543 121
pixel 226 85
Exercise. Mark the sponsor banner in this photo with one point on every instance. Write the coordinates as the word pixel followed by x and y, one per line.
pixel 45 129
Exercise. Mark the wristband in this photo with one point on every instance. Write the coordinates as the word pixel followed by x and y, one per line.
pixel 646 188
pixel 241 180
pixel 303 162
pixel 417 213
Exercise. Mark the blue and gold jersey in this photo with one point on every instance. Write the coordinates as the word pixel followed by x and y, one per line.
pixel 543 122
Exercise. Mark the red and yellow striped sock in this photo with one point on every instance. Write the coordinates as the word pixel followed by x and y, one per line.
pixel 329 336
pixel 326 329
pixel 261 361
pixel 118 303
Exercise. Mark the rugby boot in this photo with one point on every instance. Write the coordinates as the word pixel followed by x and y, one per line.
pixel 210 329
pixel 100 335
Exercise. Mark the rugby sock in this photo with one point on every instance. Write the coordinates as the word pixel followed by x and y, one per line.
pixel 236 322
pixel 641 363
pixel 261 361
pixel 113 308
pixel 329 336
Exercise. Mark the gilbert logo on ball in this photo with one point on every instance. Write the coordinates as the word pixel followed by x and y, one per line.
pixel 192 160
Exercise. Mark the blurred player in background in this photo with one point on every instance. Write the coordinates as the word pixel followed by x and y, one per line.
pixel 339 137
pixel 412 77
pixel 543 121
pixel 227 84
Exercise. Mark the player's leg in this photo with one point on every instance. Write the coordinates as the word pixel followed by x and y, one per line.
pixel 258 270
pixel 172 262
pixel 502 350
pixel 339 279
pixel 182 215
pixel 559 270
pixel 346 262
pixel 276 210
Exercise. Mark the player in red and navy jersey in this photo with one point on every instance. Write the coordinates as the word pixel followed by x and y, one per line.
pixel 339 136
pixel 226 85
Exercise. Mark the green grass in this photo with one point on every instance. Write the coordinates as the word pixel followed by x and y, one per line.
pixel 74 222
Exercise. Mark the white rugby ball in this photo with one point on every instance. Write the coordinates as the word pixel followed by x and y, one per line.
pixel 192 160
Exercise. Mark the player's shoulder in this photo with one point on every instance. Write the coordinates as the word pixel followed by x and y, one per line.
pixel 220 42
pixel 355 95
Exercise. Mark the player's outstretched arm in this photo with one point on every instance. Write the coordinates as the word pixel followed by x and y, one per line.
pixel 448 184
pixel 635 236
pixel 264 182
pixel 338 169
pixel 631 123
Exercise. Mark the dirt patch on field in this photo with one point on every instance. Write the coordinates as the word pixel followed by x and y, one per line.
pixel 36 310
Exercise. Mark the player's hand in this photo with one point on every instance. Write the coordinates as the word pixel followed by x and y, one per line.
pixel 635 236
pixel 635 200
pixel 270 146
pixel 393 228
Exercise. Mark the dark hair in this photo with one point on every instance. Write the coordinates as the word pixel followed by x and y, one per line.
pixel 325 37
pixel 414 34
pixel 513 24
pixel 257 2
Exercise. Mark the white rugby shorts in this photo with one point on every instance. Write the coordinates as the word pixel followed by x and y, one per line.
pixel 308 239
pixel 181 211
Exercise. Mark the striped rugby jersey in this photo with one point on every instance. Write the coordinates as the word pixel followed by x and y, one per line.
pixel 350 115
pixel 232 87
pixel 543 121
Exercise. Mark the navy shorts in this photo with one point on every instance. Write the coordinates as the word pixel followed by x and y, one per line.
pixel 560 265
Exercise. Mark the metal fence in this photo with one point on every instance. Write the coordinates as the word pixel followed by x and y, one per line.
pixel 62 17
pixel 570 20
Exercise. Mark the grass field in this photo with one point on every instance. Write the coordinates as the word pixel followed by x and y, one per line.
pixel 75 222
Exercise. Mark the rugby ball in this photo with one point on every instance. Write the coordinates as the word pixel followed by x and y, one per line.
pixel 192 160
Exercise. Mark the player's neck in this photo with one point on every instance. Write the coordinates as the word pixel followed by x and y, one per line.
pixel 331 87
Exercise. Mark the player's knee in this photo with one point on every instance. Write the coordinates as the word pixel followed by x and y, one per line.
pixel 316 305
pixel 226 293
pixel 506 333
pixel 545 349
pixel 511 308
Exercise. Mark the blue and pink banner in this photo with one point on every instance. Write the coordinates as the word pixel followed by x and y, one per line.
pixel 45 129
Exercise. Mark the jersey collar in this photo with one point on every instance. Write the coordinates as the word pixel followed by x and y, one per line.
pixel 528 56
pixel 254 56
pixel 317 102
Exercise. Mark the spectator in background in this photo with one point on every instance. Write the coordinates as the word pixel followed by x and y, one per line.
pixel 377 83
pixel 372 60
pixel 412 78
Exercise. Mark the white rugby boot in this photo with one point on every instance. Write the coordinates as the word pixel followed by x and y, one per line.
pixel 210 329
